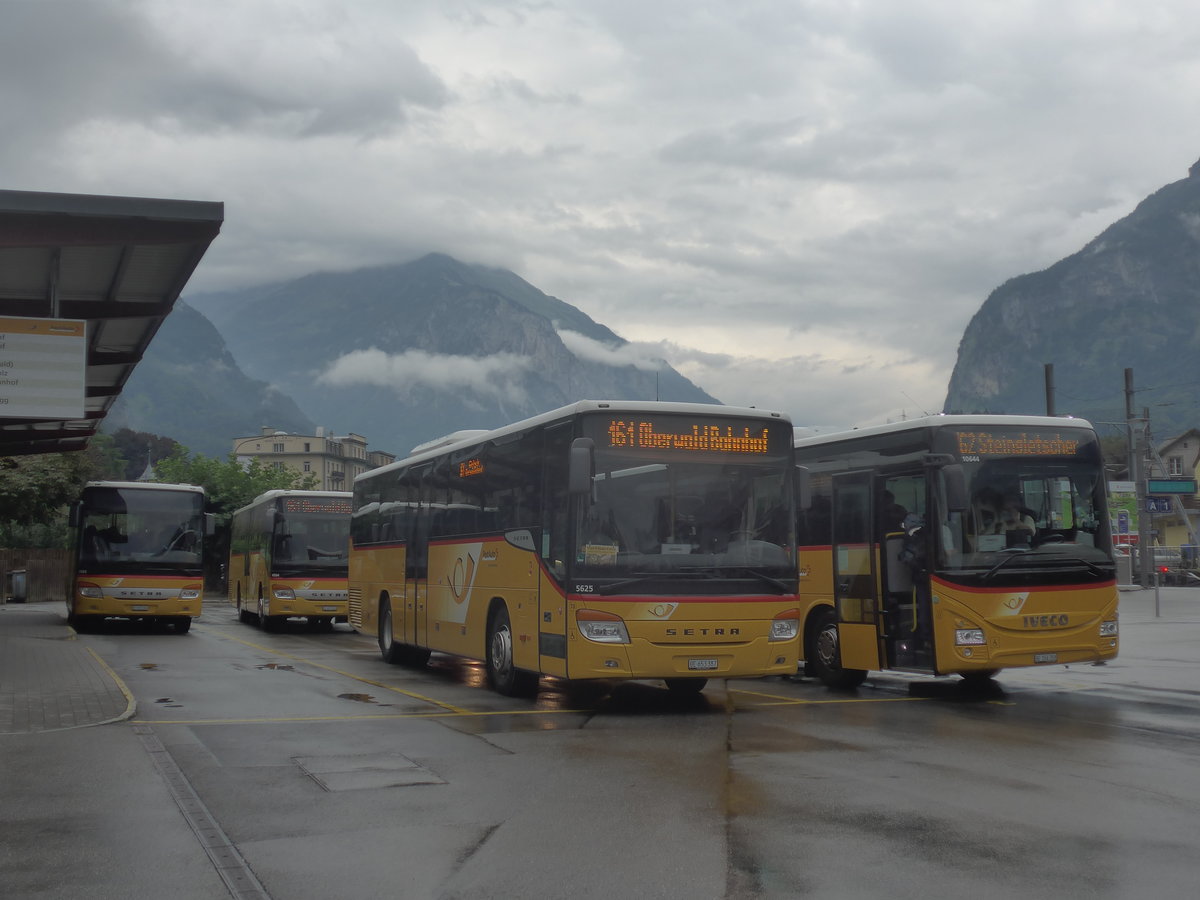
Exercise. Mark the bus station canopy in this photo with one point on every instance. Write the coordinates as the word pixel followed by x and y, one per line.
pixel 119 263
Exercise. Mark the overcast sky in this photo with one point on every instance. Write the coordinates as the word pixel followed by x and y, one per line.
pixel 798 204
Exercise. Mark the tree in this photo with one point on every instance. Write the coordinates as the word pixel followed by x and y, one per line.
pixel 141 448
pixel 228 485
pixel 36 490
pixel 1115 450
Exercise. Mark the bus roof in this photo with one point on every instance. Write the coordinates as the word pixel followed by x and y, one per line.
pixel 435 448
pixel 144 486
pixel 945 421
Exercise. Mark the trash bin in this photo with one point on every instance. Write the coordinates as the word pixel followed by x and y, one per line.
pixel 16 589
pixel 1124 568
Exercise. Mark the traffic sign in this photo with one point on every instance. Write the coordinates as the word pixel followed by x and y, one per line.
pixel 1158 504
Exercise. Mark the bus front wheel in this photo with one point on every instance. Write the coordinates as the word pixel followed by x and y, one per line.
pixel 824 654
pixel 183 624
pixel 502 672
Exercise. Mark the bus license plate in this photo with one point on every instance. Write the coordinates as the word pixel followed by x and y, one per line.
pixel 1045 657
pixel 328 609
pixel 702 664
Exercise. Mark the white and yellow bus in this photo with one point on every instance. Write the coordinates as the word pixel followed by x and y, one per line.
pixel 138 553
pixel 603 540
pixel 288 558
pixel 955 545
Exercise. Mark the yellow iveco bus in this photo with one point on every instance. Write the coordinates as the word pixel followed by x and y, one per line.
pixel 955 545
pixel 288 557
pixel 603 540
pixel 138 553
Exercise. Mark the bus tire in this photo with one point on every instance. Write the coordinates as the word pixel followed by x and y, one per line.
pixel 683 686
pixel 502 672
pixel 824 655
pixel 182 624
pixel 389 648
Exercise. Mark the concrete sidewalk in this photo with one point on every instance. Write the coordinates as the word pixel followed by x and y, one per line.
pixel 50 681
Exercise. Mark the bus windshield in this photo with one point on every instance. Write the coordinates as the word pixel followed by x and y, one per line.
pixel 139 525
pixel 312 532
pixel 721 512
pixel 1028 514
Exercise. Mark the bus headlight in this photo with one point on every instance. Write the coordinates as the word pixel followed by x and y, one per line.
pixel 968 637
pixel 189 594
pixel 284 593
pixel 602 627
pixel 91 591
pixel 785 626
pixel 1109 628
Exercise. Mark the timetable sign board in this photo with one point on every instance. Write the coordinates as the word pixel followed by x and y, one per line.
pixel 43 364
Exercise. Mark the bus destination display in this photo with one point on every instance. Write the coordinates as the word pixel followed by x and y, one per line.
pixel 335 505
pixel 634 434
pixel 979 444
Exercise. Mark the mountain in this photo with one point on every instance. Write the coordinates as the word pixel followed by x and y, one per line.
pixel 406 353
pixel 1129 299
pixel 188 387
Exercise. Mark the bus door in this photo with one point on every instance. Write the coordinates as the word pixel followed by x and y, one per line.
pixel 555 550
pixel 906 612
pixel 416 581
pixel 854 582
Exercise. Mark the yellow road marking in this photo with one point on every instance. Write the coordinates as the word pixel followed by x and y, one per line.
pixel 308 662
pixel 130 703
pixel 781 700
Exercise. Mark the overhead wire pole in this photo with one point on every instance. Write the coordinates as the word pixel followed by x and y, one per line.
pixel 1137 470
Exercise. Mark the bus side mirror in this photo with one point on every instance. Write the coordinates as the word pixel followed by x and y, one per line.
pixel 956 487
pixel 581 467
pixel 210 524
pixel 803 488
pixel 73 516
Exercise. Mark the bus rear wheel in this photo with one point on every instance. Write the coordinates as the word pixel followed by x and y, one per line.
pixel 392 650
pixel 824 654
pixel 502 672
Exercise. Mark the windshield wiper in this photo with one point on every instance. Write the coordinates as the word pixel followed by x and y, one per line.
pixel 728 571
pixel 1014 552
pixel 693 572
pixel 1009 555
pixel 614 586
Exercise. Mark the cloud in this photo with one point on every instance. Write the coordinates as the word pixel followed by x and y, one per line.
pixel 491 376
pixel 832 189
pixel 610 355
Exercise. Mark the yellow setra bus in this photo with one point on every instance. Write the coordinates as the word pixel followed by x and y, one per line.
pixel 603 540
pixel 288 554
pixel 955 545
pixel 138 553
